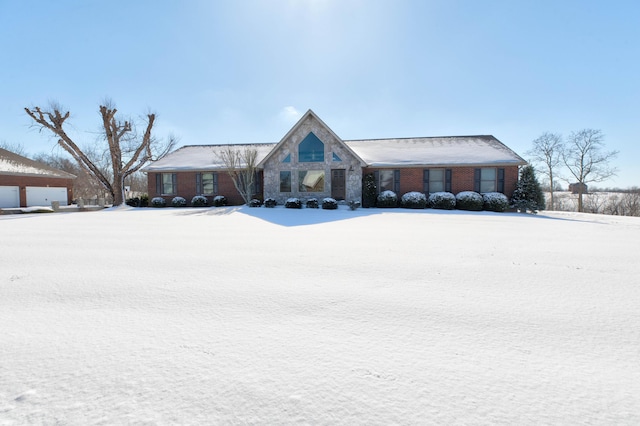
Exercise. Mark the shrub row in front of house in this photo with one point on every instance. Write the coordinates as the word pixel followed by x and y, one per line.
pixel 197 201
pixel 296 203
pixel 466 200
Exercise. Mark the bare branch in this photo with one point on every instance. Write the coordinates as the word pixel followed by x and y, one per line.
pixel 585 159
pixel 241 165
pixel 127 152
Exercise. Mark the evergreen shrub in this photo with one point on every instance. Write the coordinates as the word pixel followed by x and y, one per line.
pixel 219 201
pixel 142 201
pixel 312 203
pixel 132 202
pixel 528 195
pixel 442 200
pixel 255 203
pixel 199 201
pixel 178 202
pixel 270 203
pixel 469 200
pixel 369 191
pixel 413 200
pixel 329 203
pixel 158 202
pixel 387 199
pixel 293 203
pixel 353 205
pixel 495 202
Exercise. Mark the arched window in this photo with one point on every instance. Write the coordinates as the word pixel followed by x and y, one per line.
pixel 311 149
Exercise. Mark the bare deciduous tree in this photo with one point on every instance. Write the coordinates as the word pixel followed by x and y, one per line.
pixel 241 165
pixel 128 150
pixel 16 148
pixel 547 151
pixel 585 159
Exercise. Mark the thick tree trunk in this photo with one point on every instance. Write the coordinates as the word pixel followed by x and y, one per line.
pixel 580 208
pixel 551 190
pixel 128 152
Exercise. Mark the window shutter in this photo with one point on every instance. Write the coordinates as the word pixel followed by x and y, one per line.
pixel 396 181
pixel 501 180
pixel 174 181
pixel 476 180
pixel 198 183
pixel 158 183
pixel 425 181
pixel 215 183
pixel 447 180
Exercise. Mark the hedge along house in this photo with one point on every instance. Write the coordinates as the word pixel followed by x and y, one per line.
pixel 26 183
pixel 311 161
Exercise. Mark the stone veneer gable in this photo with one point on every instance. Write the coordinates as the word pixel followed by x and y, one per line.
pixel 289 146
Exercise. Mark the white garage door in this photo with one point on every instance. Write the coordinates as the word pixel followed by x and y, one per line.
pixel 9 197
pixel 43 196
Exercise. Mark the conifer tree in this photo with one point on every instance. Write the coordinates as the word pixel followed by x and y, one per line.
pixel 528 195
pixel 369 191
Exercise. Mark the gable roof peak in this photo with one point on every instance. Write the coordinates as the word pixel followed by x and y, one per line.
pixel 307 115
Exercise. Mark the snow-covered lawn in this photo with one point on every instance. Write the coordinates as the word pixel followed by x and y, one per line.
pixel 278 316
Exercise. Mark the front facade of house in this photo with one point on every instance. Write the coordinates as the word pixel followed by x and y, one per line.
pixel 27 183
pixel 311 161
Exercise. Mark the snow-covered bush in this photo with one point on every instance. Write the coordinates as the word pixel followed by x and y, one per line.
pixel 270 203
pixel 199 201
pixel 469 200
pixel 387 199
pixel 329 203
pixel 312 203
pixel 442 200
pixel 353 205
pixel 293 203
pixel 178 202
pixel 219 200
pixel 495 202
pixel 413 200
pixel 158 202
pixel 255 203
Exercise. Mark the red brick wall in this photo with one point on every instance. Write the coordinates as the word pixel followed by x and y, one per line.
pixel 186 188
pixel 462 179
pixel 23 181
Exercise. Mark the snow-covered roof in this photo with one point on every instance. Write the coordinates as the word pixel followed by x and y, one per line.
pixel 14 164
pixel 430 151
pixel 434 151
pixel 202 157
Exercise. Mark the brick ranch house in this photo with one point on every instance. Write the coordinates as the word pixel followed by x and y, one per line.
pixel 311 161
pixel 27 183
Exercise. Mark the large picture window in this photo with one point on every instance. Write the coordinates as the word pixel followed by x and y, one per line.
pixel 311 181
pixel 285 181
pixel 311 149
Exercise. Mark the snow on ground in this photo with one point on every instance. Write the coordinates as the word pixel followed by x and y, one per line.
pixel 277 316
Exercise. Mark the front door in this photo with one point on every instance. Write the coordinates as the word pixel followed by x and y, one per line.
pixel 338 187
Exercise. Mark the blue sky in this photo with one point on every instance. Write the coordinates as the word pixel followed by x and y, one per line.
pixel 244 71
